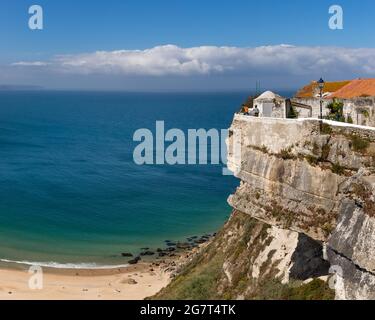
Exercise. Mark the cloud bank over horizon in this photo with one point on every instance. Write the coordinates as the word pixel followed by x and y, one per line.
pixel 275 65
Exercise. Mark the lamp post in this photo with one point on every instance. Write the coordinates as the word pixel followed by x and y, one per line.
pixel 321 87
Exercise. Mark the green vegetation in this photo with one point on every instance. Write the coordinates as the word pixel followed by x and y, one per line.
pixel 314 290
pixel 365 113
pixel 286 154
pixel 198 282
pixel 206 276
pixel 326 128
pixel 292 114
pixel 359 144
pixel 328 228
pixel 338 169
pixel 349 119
pixel 336 111
pixel 312 160
pixel 263 148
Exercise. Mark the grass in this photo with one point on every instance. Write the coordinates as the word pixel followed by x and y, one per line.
pixel 198 282
pixel 286 154
pixel 314 290
pixel 204 277
pixel 312 160
pixel 338 169
pixel 326 128
pixel 359 144
pixel 263 148
pixel 327 228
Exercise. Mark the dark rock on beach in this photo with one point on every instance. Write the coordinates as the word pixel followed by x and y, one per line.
pixel 135 260
pixel 183 245
pixel 147 253
pixel 126 254
pixel 171 244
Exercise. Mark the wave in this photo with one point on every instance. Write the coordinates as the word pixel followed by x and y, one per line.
pixel 56 265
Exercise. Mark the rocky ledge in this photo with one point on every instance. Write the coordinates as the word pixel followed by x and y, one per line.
pixel 315 179
pixel 303 221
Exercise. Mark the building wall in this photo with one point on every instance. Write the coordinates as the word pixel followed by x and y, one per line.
pixel 315 104
pixel 360 110
pixel 278 108
pixel 303 112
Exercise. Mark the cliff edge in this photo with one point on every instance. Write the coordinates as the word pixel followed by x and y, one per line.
pixel 303 225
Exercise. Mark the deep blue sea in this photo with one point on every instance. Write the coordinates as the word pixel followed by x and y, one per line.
pixel 70 191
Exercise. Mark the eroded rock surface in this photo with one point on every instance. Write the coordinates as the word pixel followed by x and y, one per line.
pixel 304 211
pixel 314 179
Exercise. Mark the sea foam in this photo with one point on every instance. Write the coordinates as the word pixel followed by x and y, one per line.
pixel 56 265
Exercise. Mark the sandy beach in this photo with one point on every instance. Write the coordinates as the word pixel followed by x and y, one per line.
pixel 132 283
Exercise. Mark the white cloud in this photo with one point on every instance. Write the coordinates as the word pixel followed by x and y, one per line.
pixel 170 60
pixel 30 64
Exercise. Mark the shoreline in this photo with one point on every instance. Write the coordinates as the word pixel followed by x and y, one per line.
pixel 131 283
pixel 134 282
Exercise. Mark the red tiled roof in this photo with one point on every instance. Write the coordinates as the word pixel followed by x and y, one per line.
pixel 355 89
pixel 308 91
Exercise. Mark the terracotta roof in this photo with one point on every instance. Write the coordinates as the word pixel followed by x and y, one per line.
pixel 356 88
pixel 309 90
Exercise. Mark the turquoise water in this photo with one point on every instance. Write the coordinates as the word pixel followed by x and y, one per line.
pixel 70 191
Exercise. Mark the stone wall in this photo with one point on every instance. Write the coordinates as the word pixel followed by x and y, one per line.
pixel 360 110
pixel 316 179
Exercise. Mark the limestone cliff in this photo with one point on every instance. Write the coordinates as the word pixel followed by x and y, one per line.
pixel 249 259
pixel 315 179
pixel 304 210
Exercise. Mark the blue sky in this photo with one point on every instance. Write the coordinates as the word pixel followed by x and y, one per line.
pixel 84 27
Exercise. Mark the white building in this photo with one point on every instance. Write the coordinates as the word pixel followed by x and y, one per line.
pixel 271 105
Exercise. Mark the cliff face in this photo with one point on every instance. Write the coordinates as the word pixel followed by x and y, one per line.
pixel 304 210
pixel 249 259
pixel 317 180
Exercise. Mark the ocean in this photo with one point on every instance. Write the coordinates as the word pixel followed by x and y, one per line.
pixel 70 192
